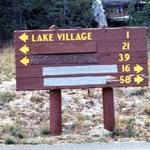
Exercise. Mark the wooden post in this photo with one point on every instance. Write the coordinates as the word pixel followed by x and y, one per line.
pixel 108 109
pixel 55 112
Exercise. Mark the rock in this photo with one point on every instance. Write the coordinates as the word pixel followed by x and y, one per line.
pixel 98 131
pixel 88 123
pixel 8 85
pixel 45 107
pixel 89 104
pixel 69 125
pixel 8 121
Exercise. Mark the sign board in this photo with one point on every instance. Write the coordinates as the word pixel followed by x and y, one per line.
pixel 81 58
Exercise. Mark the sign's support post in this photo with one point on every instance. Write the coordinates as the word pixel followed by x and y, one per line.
pixel 108 108
pixel 55 112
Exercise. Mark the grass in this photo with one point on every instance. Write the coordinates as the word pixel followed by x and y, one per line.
pixel 80 118
pixel 44 130
pixel 147 122
pixel 30 142
pixel 130 127
pixel 6 97
pixel 13 130
pixel 36 98
pixel 9 140
pixel 7 64
pixel 147 109
pixel 125 128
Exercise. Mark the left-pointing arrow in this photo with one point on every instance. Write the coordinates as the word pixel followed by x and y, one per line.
pixel 24 49
pixel 24 37
pixel 25 61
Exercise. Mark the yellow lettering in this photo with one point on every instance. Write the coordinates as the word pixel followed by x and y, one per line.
pixel 42 38
pixel 45 37
pixel 33 38
pixel 89 36
pixel 39 38
pixel 51 37
pixel 127 34
pixel 125 80
pixel 126 68
pixel 67 37
pixel 78 38
pixel 83 36
pixel 60 36
pixel 126 46
pixel 124 57
pixel 72 37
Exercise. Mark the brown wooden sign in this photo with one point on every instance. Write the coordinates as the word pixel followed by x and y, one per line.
pixel 81 58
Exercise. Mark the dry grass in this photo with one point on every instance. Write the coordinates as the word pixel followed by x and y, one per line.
pixel 147 109
pixel 6 97
pixel 125 127
pixel 44 130
pixel 7 64
pixel 13 130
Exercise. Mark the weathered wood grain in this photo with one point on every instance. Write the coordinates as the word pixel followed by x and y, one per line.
pixel 37 84
pixel 64 59
pixel 36 71
pixel 71 59
pixel 97 34
pixel 58 47
pixel 116 46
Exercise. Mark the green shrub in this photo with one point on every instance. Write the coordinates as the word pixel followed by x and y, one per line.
pixel 6 97
pixel 9 140
pixel 130 127
pixel 28 142
pixel 147 109
pixel 127 130
pixel 13 130
pixel 7 61
pixel 44 130
pixel 80 118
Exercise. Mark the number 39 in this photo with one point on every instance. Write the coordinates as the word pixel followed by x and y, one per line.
pixel 124 57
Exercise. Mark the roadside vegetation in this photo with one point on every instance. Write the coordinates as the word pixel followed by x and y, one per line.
pixel 6 97
pixel 7 63
pixel 30 110
pixel 12 134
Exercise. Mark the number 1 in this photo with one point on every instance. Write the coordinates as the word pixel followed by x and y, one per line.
pixel 127 34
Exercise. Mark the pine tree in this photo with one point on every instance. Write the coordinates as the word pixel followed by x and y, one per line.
pixel 41 14
pixel 140 15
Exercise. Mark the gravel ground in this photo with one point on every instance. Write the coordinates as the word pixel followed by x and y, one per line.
pixel 24 116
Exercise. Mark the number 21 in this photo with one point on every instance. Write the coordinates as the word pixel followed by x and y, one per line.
pixel 125 45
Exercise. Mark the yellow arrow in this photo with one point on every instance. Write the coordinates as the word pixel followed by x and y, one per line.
pixel 138 68
pixel 138 79
pixel 25 61
pixel 24 49
pixel 24 37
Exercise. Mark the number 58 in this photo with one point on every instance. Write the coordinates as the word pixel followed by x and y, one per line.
pixel 125 79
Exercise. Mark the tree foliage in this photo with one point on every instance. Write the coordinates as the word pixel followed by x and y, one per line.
pixel 140 14
pixel 41 14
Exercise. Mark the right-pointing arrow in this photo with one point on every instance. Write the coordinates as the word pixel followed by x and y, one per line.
pixel 138 68
pixel 138 79
pixel 24 49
